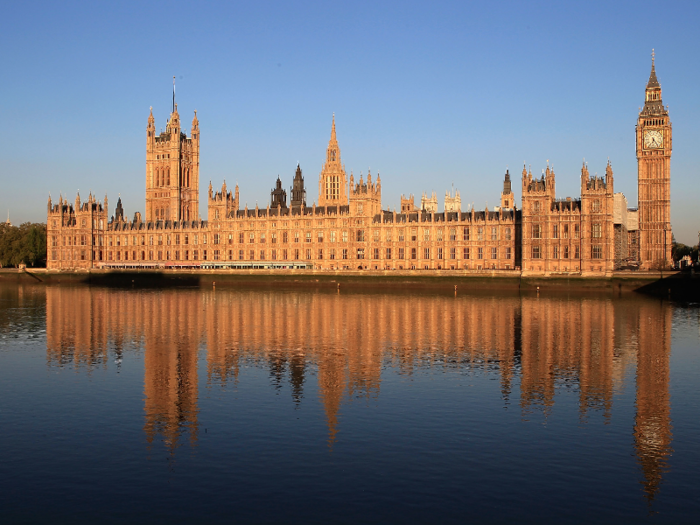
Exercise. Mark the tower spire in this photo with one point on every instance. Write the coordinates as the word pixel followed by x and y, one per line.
pixel 653 82
pixel 173 94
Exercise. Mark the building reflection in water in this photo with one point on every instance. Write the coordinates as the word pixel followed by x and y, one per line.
pixel 542 344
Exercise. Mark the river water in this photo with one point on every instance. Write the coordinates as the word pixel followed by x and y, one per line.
pixel 181 406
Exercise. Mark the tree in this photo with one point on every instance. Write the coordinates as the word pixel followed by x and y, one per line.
pixel 24 244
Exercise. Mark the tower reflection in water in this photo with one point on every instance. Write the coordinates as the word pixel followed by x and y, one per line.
pixel 537 343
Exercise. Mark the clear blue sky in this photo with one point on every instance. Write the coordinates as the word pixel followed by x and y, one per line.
pixel 426 93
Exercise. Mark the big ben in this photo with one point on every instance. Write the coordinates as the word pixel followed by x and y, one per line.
pixel 654 178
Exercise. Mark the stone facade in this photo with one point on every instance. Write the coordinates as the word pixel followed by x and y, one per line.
pixel 349 228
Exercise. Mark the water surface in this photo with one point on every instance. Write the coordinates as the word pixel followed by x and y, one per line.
pixel 175 406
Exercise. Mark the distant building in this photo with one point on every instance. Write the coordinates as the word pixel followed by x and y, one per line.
pixel 429 204
pixel 453 203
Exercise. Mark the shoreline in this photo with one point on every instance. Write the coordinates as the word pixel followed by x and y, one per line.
pixel 667 283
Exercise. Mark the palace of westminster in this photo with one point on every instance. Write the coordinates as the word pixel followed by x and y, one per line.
pixel 347 228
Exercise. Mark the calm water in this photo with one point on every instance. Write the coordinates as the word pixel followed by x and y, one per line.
pixel 249 406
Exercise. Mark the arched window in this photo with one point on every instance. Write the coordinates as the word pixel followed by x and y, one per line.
pixel 155 182
pixel 168 177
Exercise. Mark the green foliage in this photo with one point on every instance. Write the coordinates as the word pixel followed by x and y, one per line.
pixel 24 244
pixel 679 250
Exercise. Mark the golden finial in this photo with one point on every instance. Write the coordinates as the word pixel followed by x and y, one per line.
pixel 652 55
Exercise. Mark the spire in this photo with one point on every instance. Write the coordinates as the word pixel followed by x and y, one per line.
pixel 653 106
pixel 333 139
pixel 173 94
pixel 653 82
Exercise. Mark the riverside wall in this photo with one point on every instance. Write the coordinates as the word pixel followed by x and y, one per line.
pixel 682 285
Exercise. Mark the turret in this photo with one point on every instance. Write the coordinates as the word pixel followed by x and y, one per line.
pixel 298 191
pixel 332 179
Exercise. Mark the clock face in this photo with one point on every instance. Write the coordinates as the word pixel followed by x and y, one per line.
pixel 653 139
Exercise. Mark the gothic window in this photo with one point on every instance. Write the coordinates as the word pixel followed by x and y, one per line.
pixel 480 253
pixel 577 253
pixel 508 234
pixel 566 252
pixel 536 231
pixel 426 253
pixel 168 179
pixel 426 235
pixel 565 232
pixel 494 253
pixel 536 252
pixel 555 232
pixel 308 236
pixel 345 236
pixel 466 235
pixel 555 252
pixel 480 234
pixel 453 235
pixel 576 231
pixel 494 233
pixel 360 235
pixel 508 253
pixel 597 231
pixel 376 235
pixel 597 252
pixel 439 234
pixel 466 253
pixel 596 205
pixel 388 235
pixel 536 206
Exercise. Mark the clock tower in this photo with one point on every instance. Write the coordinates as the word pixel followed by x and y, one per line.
pixel 654 178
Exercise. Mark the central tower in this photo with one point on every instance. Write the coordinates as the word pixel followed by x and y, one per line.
pixel 332 183
pixel 172 171
pixel 654 178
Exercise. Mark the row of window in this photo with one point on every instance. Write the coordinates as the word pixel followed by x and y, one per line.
pixel 297 236
pixel 296 254
pixel 565 252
